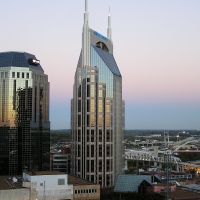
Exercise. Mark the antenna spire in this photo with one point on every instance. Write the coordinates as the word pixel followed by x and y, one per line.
pixel 86 14
pixel 86 6
pixel 109 30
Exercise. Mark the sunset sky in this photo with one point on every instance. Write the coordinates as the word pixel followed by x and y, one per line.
pixel 156 46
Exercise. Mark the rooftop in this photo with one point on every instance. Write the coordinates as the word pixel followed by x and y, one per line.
pixel 130 183
pixel 19 59
pixel 77 181
pixel 185 195
pixel 42 173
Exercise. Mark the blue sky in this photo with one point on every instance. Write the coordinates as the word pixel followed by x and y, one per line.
pixel 156 45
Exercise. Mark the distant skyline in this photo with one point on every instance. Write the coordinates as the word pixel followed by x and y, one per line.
pixel 156 44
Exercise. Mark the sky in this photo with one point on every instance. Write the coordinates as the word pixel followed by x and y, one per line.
pixel 156 46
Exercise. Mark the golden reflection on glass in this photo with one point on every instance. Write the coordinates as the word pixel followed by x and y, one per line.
pixel 100 105
pixel 100 120
pixel 108 120
pixel 92 91
pixel 92 120
pixel 92 106
pixel 108 110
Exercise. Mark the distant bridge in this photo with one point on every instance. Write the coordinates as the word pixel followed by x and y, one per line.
pixel 149 156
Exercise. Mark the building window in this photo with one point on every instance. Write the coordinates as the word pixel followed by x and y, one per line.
pixel 61 181
pixel 88 150
pixel 92 78
pixel 92 151
pixel 88 166
pixel 92 106
pixel 92 91
pixel 88 120
pixel 100 120
pixel 79 105
pixel 92 120
pixel 108 151
pixel 108 135
pixel 88 90
pixel 79 135
pixel 100 135
pixel 18 75
pixel 92 168
pixel 79 120
pixel 100 150
pixel 79 166
pixel 100 179
pixel 100 106
pixel 13 74
pixel 100 165
pixel 108 165
pixel 108 110
pixel 79 150
pixel 88 135
pixel 108 180
pixel 88 106
pixel 79 91
pixel 92 135
pixel 101 93
pixel 92 179
pixel 22 74
pixel 27 75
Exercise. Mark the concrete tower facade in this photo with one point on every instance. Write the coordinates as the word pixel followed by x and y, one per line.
pixel 24 114
pixel 97 109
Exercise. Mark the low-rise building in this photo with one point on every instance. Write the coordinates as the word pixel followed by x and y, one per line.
pixel 61 158
pixel 84 190
pixel 48 185
pixel 129 183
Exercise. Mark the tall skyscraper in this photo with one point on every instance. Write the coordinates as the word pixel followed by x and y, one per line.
pixel 97 109
pixel 24 114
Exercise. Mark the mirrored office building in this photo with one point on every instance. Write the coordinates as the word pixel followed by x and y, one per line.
pixel 24 114
pixel 97 109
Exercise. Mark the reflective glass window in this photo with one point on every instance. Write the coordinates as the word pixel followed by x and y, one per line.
pixel 92 78
pixel 100 106
pixel 92 91
pixel 92 105
pixel 105 75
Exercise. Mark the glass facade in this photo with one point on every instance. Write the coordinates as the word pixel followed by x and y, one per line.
pixel 97 114
pixel 24 114
pixel 105 75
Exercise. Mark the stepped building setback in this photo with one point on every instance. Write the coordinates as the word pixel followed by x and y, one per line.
pixel 97 109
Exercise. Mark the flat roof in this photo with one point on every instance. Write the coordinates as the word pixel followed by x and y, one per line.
pixel 42 173
pixel 185 195
pixel 73 180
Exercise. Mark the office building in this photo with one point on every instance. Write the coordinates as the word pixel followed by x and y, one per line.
pixel 61 159
pixel 24 114
pixel 97 109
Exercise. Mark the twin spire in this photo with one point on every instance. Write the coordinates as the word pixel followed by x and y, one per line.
pixel 86 20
